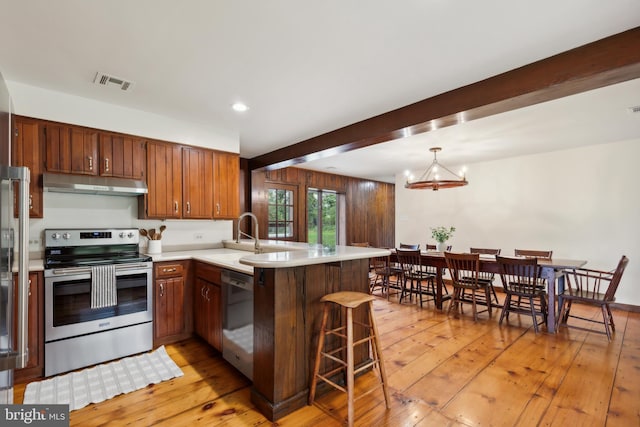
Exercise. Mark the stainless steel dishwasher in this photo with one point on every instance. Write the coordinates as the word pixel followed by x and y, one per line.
pixel 237 320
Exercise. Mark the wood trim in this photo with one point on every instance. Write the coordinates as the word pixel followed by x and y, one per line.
pixel 601 63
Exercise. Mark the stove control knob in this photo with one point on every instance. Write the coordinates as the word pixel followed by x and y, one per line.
pixel 55 236
pixel 121 234
pixel 66 236
pixel 130 235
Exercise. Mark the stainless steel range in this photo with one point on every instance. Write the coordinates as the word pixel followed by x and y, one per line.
pixel 98 297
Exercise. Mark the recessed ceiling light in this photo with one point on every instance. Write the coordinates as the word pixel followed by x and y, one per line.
pixel 239 107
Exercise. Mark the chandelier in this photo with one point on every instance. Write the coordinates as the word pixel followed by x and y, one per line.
pixel 436 176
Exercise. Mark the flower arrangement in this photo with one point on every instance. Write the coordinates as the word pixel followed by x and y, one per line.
pixel 442 234
pixel 152 234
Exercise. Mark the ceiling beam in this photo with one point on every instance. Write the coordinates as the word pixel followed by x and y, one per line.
pixel 601 63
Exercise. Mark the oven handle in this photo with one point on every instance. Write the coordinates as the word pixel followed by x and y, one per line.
pixel 82 270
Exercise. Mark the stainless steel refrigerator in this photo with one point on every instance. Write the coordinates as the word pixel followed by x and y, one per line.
pixel 14 256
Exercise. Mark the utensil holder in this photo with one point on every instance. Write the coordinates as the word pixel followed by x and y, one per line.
pixel 154 247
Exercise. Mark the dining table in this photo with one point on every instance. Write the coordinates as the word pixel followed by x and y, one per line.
pixel 552 270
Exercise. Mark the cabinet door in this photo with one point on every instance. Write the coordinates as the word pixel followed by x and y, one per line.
pixel 164 180
pixel 197 183
pixel 28 150
pixel 84 151
pixel 57 148
pixel 208 314
pixel 226 187
pixel 200 309
pixel 169 307
pixel 122 157
pixel 35 332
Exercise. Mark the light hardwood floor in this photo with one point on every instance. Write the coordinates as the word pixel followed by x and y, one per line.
pixel 443 371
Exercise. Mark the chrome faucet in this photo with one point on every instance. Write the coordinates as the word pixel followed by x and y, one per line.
pixel 256 233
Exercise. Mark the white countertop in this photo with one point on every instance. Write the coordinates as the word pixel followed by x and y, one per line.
pixel 223 257
pixel 311 255
pixel 240 256
pixel 277 254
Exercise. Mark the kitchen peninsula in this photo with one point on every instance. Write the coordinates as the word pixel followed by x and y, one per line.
pixel 288 286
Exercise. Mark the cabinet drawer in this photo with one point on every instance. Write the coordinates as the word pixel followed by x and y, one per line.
pixel 208 272
pixel 168 270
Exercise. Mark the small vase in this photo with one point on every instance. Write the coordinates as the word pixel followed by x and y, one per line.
pixel 441 246
pixel 154 247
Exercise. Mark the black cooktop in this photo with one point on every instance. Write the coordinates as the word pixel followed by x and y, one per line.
pixel 83 256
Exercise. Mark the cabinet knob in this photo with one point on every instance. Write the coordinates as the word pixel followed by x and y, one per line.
pixel 217 208
pixel 188 207
pixel 106 164
pixel 30 201
pixel 161 289
pixel 175 206
pixel 90 158
pixel 168 270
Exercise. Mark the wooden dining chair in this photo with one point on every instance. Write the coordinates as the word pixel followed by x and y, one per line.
pixel 361 244
pixel 520 279
pixel 485 276
pixel 538 254
pixel 591 287
pixel 408 246
pixel 465 276
pixel 435 248
pixel 385 275
pixel 531 253
pixel 421 282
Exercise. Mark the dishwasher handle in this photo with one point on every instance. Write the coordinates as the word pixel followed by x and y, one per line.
pixel 239 280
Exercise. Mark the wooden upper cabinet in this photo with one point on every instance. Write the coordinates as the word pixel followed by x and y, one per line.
pixel 28 150
pixel 122 156
pixel 164 179
pixel 84 151
pixel 57 148
pixel 226 185
pixel 71 149
pixel 197 183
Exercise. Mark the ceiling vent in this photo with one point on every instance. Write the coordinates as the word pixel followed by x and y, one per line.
pixel 109 80
pixel 635 109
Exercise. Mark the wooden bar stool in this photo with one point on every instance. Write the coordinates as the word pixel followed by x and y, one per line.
pixel 348 300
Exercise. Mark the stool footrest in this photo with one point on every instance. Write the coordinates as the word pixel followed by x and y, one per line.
pixel 328 381
pixel 335 359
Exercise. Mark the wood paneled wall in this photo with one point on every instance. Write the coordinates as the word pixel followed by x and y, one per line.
pixel 370 205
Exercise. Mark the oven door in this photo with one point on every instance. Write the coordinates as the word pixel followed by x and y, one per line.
pixel 68 311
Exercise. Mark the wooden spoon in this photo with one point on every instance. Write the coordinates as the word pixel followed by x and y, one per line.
pixel 143 232
pixel 152 233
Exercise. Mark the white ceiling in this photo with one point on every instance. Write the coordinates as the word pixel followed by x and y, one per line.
pixel 308 67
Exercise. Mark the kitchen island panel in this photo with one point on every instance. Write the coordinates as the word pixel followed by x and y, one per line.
pixel 287 316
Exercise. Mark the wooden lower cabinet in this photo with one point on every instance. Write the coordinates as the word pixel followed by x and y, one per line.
pixel 35 362
pixel 208 304
pixel 28 150
pixel 172 302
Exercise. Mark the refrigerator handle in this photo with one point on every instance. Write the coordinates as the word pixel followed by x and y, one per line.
pixel 22 175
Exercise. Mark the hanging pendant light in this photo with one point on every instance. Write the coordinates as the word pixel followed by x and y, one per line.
pixel 436 176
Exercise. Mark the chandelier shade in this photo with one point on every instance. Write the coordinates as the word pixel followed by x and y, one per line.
pixel 436 177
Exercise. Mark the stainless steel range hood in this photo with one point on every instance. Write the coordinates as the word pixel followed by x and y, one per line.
pixel 85 184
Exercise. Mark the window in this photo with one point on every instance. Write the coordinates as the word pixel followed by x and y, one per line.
pixel 281 214
pixel 323 223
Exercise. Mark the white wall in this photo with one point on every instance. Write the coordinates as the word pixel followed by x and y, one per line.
pixel 77 211
pixel 582 203
pixel 94 211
